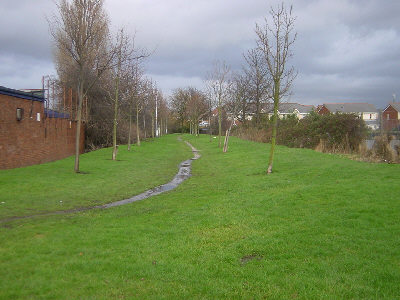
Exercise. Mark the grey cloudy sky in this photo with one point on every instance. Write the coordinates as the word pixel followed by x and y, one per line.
pixel 346 51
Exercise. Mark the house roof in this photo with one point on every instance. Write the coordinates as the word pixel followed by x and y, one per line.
pixel 350 107
pixel 20 94
pixel 395 105
pixel 287 108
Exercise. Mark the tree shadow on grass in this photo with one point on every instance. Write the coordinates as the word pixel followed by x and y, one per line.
pixel 83 172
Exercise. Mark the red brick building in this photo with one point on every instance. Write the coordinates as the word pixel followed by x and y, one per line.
pixel 30 135
pixel 391 116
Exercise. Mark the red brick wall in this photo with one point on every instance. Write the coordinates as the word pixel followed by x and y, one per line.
pixel 392 121
pixel 28 142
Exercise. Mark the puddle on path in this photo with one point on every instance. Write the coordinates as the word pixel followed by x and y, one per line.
pixel 184 173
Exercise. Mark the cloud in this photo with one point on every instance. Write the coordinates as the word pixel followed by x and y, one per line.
pixel 25 29
pixel 346 50
pixel 19 72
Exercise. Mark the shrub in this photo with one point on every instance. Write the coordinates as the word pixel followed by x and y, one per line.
pixel 327 133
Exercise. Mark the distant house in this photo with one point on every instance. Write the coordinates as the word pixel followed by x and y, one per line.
pixel 391 116
pixel 287 109
pixel 284 110
pixel 365 111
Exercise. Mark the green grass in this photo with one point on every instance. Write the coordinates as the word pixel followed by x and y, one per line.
pixel 320 226
pixel 55 186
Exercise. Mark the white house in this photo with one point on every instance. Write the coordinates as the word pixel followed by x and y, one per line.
pixel 365 111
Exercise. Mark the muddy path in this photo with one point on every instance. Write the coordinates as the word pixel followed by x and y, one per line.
pixel 184 172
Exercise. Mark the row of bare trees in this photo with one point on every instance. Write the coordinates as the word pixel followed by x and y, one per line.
pixel 107 70
pixel 265 77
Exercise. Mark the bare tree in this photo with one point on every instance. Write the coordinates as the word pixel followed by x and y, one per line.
pixel 135 98
pixel 275 40
pixel 259 81
pixel 80 32
pixel 154 98
pixel 237 96
pixel 163 113
pixel 125 55
pixel 146 102
pixel 121 50
pixel 158 111
pixel 218 84
pixel 138 100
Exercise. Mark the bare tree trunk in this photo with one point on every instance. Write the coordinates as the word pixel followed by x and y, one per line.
pixel 225 142
pixel 209 125
pixel 144 125
pixel 156 133
pixel 161 127
pixel 228 133
pixel 78 126
pixel 257 108
pixel 219 126
pixel 129 132
pixel 137 127
pixel 274 126
pixel 115 149
pixel 152 126
pixel 244 112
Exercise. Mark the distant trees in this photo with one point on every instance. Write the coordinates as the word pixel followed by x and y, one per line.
pixel 189 105
pixel 237 100
pixel 196 107
pixel 218 86
pixel 258 80
pixel 179 101
pixel 275 40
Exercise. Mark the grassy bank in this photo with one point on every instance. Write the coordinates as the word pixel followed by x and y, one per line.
pixel 55 186
pixel 321 226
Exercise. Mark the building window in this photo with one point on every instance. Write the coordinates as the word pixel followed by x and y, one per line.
pixel 387 117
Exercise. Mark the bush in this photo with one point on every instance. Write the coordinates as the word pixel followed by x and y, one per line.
pixel 327 133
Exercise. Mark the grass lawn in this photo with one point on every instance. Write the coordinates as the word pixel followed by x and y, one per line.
pixel 320 226
pixel 55 186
